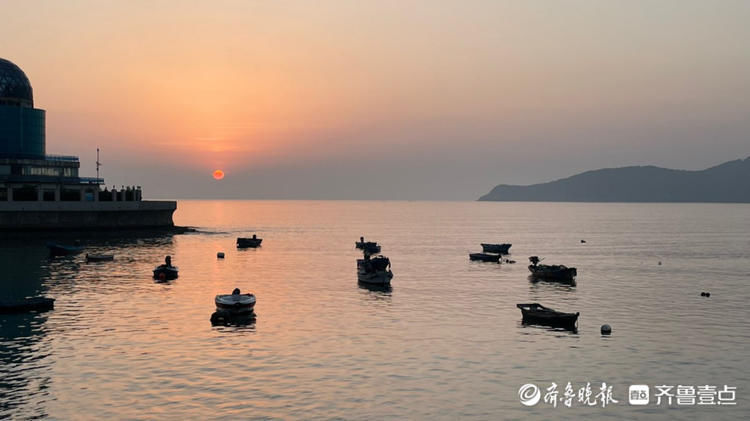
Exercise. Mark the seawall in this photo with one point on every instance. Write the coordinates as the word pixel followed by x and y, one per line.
pixel 30 216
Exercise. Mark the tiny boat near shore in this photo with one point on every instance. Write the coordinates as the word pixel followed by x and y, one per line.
pixel 99 257
pixel 249 242
pixel 485 257
pixel 56 249
pixel 538 314
pixel 551 272
pixel 503 248
pixel 374 270
pixel 27 304
pixel 235 302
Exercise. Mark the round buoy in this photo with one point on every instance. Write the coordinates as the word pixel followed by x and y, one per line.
pixel 659 262
pixel 708 294
pixel 703 294
pixel 606 329
pixel 220 255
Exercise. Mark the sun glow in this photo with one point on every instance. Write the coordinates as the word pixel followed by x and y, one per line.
pixel 218 174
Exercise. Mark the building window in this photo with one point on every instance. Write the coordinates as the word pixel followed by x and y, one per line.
pixel 70 195
pixel 48 195
pixel 26 194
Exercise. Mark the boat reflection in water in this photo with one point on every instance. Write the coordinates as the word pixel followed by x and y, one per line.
pixel 381 288
pixel 226 318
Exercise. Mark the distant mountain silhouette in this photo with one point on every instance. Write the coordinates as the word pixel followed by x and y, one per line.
pixel 728 182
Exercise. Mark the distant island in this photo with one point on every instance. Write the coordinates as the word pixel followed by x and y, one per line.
pixel 728 182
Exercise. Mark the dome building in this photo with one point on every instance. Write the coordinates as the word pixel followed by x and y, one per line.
pixel 28 174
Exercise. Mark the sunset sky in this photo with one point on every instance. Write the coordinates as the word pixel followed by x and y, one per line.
pixel 382 99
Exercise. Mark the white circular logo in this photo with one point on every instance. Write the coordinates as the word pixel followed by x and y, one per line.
pixel 529 394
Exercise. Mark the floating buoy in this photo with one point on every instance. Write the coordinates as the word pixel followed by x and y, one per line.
pixel 659 262
pixel 220 255
pixel 708 294
pixel 583 241
pixel 606 329
pixel 703 294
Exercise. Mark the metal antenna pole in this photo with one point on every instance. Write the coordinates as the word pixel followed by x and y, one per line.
pixel 97 166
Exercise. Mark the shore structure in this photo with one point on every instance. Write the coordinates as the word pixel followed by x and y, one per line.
pixel 45 192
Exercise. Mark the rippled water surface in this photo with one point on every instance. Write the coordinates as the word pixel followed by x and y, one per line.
pixel 445 342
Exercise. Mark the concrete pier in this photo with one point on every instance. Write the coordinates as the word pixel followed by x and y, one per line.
pixel 17 216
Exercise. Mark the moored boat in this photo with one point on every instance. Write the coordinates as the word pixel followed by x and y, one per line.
pixel 27 304
pixel 551 272
pixel 538 314
pixel 503 248
pixel 485 257
pixel 56 249
pixel 374 270
pixel 99 257
pixel 165 273
pixel 249 242
pixel 235 302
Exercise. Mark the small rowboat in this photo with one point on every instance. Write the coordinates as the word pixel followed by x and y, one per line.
pixel 235 303
pixel 496 248
pixel 538 314
pixel 249 242
pixel 484 257
pixel 56 249
pixel 27 304
pixel 100 257
pixel 165 273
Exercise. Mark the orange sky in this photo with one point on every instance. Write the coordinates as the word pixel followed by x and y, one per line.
pixel 244 84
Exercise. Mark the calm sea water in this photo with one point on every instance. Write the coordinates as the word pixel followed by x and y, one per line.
pixel 446 342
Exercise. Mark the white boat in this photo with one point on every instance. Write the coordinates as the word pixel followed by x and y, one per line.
pixel 374 270
pixel 235 303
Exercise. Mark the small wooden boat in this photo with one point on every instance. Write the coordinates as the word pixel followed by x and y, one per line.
pixel 538 314
pixel 56 249
pixel 374 270
pixel 235 302
pixel 496 248
pixel 249 242
pixel 165 273
pixel 99 257
pixel 27 304
pixel 485 257
pixel 551 272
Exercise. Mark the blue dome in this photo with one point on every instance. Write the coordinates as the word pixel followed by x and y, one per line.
pixel 15 88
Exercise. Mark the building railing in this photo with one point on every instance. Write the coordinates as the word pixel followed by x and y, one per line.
pixel 63 158
pixel 67 158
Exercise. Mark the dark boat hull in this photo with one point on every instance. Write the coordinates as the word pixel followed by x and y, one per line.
pixel 99 258
pixel 165 274
pixel 249 242
pixel 538 315
pixel 26 305
pixel 483 257
pixel 563 274
pixel 496 248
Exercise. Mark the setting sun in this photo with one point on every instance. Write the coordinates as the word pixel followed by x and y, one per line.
pixel 218 174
